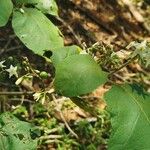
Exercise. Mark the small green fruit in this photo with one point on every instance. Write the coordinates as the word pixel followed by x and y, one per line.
pixel 44 75
pixel 10 58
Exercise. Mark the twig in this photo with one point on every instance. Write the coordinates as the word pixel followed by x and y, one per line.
pixel 6 46
pixel 11 37
pixel 63 118
pixel 13 48
pixel 16 93
pixel 7 84
pixel 18 99
pixel 52 141
pixel 93 17
pixel 2 39
pixel 52 136
pixel 92 119
pixel 77 38
pixel 52 130
pixel 133 11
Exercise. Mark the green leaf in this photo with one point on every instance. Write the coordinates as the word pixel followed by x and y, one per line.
pixel 15 134
pixel 6 7
pixel 78 74
pixel 130 110
pixel 27 1
pixel 36 31
pixel 60 54
pixel 48 7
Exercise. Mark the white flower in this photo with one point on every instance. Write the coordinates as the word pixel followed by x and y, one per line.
pixel 1 64
pixel 40 96
pixel 12 71
pixel 37 96
pixel 142 45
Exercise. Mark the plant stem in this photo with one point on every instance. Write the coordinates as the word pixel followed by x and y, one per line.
pixel 63 118
pixel 124 65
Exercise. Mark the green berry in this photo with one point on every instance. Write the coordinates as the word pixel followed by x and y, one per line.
pixel 44 75
pixel 10 58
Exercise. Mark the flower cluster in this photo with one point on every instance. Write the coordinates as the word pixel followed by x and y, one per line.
pixel 141 49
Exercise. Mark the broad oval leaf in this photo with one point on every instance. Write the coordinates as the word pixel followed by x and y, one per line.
pixel 6 7
pixel 130 110
pixel 78 74
pixel 48 7
pixel 60 54
pixel 16 134
pixel 36 31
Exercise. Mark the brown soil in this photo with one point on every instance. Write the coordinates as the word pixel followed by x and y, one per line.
pixel 102 20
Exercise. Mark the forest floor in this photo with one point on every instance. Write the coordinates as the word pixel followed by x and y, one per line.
pixel 65 126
